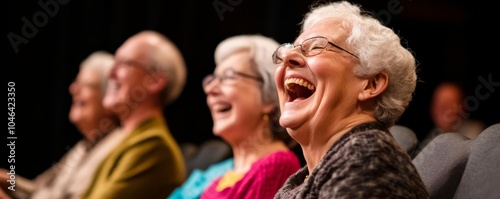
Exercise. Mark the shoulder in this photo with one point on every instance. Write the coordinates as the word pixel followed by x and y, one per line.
pixel 220 166
pixel 371 146
pixel 151 134
pixel 137 146
pixel 277 165
pixel 373 157
pixel 367 137
pixel 367 147
pixel 372 138
pixel 279 158
pixel 372 151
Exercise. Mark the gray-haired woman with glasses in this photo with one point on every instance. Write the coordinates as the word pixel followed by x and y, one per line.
pixel 243 101
pixel 341 85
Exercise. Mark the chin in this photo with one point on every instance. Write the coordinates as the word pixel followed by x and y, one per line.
pixel 109 103
pixel 292 119
pixel 217 130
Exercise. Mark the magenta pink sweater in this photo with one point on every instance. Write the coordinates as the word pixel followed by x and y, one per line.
pixel 262 181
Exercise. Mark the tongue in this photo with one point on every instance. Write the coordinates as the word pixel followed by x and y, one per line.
pixel 298 91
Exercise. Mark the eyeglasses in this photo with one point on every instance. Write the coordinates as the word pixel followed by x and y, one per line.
pixel 309 47
pixel 226 77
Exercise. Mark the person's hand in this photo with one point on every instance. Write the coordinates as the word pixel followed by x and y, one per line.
pixel 4 184
pixel 3 174
pixel 3 195
pixel 3 180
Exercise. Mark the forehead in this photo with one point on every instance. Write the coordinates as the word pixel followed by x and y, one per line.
pixel 239 61
pixel 134 48
pixel 448 92
pixel 330 28
pixel 88 74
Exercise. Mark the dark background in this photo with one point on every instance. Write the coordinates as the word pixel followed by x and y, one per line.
pixel 451 41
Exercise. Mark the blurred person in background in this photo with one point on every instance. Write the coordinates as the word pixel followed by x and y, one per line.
pixel 448 114
pixel 99 127
pixel 149 73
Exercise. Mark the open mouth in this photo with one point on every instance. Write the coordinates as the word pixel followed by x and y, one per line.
pixel 299 88
pixel 113 86
pixel 77 102
pixel 222 107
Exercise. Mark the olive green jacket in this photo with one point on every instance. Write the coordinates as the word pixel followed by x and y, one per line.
pixel 148 163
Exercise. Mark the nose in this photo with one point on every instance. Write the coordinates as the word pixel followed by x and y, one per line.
pixel 73 87
pixel 293 57
pixel 112 71
pixel 211 87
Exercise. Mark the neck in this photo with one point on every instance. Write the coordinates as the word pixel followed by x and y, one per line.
pixel 319 142
pixel 94 134
pixel 139 115
pixel 245 156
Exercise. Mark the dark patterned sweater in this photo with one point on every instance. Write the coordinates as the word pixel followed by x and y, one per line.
pixel 366 162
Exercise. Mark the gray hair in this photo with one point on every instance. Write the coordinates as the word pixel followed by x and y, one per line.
pixel 101 62
pixel 261 49
pixel 166 58
pixel 379 49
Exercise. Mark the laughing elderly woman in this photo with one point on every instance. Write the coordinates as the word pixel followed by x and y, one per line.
pixel 341 85
pixel 242 99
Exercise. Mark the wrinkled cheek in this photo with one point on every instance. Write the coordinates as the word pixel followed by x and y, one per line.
pixel 278 76
pixel 278 80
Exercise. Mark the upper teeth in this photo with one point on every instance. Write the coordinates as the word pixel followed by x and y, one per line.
pixel 220 107
pixel 300 82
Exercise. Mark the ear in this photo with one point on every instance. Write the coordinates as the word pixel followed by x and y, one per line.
pixel 374 86
pixel 155 82
pixel 268 108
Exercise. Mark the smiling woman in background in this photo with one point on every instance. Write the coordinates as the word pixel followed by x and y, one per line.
pixel 242 99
